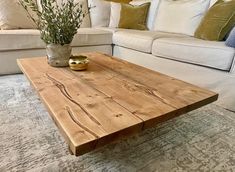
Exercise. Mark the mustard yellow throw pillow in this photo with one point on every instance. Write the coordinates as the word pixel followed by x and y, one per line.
pixel 218 21
pixel 134 17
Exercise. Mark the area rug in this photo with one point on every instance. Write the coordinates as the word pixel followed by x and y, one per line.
pixel 202 140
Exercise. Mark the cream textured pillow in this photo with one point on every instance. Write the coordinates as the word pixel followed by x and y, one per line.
pixel 115 14
pixel 181 16
pixel 14 16
pixel 99 13
pixel 86 21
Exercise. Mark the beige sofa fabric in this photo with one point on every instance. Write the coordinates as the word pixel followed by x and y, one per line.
pixel 91 36
pixel 14 16
pixel 30 39
pixel 182 16
pixel 195 51
pixel 8 63
pixel 86 20
pixel 139 40
pixel 20 39
pixel 99 13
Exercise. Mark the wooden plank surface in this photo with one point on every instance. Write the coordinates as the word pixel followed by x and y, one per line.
pixel 110 100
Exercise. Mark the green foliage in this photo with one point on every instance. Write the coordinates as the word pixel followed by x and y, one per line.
pixel 58 23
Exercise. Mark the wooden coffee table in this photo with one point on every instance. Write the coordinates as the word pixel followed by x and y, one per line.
pixel 110 100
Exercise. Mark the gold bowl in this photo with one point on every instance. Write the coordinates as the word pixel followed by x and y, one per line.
pixel 78 62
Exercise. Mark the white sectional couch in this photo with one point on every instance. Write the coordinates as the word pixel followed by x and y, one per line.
pixel 208 64
pixel 27 43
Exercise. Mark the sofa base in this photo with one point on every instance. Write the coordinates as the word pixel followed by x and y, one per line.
pixel 8 63
pixel 219 81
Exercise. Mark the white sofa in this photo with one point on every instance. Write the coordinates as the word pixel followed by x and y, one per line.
pixel 208 64
pixel 27 43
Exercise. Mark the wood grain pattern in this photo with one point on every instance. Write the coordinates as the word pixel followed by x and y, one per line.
pixel 110 100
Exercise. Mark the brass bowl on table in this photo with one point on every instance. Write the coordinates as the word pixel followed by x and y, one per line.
pixel 78 62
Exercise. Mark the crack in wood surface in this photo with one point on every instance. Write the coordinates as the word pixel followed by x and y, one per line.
pixel 72 116
pixel 148 90
pixel 151 92
pixel 110 97
pixel 64 91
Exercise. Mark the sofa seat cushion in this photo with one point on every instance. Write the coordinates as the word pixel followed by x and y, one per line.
pixel 139 40
pixel 109 29
pixel 30 39
pixel 91 36
pixel 20 39
pixel 195 51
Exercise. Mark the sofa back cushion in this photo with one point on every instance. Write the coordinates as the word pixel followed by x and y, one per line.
pixel 99 13
pixel 86 23
pixel 14 16
pixel 115 14
pixel 181 16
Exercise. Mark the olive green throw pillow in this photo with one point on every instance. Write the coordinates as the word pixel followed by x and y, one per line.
pixel 217 22
pixel 134 17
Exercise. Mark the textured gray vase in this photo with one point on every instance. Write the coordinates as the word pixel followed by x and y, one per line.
pixel 58 55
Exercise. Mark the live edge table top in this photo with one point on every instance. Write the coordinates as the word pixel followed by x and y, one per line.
pixel 112 99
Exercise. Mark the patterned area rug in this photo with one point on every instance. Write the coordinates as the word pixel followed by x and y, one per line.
pixel 202 140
